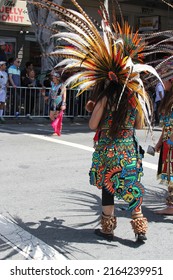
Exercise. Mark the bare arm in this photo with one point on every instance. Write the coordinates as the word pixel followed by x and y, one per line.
pixel 11 80
pixel 97 114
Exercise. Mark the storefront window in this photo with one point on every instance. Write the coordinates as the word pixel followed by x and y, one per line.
pixel 10 49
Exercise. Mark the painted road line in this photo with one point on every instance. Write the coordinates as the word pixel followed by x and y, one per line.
pixel 53 140
pixel 149 165
pixel 82 147
pixel 50 131
pixel 25 243
pixel 74 145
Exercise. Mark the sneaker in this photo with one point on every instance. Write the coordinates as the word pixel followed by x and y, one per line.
pixel 2 119
pixel 17 114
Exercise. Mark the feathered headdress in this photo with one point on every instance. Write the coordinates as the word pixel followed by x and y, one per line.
pixel 108 53
pixel 160 43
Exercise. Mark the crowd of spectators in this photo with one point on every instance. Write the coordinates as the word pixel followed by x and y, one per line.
pixel 24 90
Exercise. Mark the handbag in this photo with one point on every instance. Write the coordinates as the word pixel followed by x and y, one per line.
pixel 151 150
pixel 57 123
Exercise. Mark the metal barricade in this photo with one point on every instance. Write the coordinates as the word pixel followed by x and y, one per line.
pixel 31 101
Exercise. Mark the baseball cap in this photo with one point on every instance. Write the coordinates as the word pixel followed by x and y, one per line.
pixel 2 62
pixel 2 43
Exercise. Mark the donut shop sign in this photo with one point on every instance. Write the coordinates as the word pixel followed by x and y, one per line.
pixel 14 12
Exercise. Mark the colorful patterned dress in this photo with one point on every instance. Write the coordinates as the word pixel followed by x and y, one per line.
pixel 114 163
pixel 165 166
pixel 55 97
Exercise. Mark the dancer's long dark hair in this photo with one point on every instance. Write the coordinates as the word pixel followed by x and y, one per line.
pixel 119 114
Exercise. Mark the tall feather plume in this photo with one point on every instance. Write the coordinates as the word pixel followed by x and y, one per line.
pixel 115 4
pixel 69 16
pixel 159 43
pixel 167 3
pixel 116 55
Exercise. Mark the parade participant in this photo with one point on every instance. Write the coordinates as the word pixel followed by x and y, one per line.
pixel 57 97
pixel 3 88
pixel 116 167
pixel 107 62
pixel 165 147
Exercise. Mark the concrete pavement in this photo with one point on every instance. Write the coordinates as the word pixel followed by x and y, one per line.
pixel 46 196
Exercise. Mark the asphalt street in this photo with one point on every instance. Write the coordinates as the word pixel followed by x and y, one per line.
pixel 48 210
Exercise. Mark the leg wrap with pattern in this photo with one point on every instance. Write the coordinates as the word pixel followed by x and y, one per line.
pixel 140 225
pixel 108 223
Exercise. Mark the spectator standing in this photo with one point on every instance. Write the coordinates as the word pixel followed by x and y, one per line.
pixel 25 72
pixel 3 88
pixel 159 96
pixel 3 56
pixel 30 95
pixel 15 81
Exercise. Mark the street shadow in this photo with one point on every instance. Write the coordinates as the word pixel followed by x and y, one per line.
pixel 55 232
pixel 155 200
pixel 58 235
pixel 43 126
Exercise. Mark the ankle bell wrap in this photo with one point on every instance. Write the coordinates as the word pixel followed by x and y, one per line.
pixel 139 225
pixel 108 223
pixel 137 215
pixel 169 199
